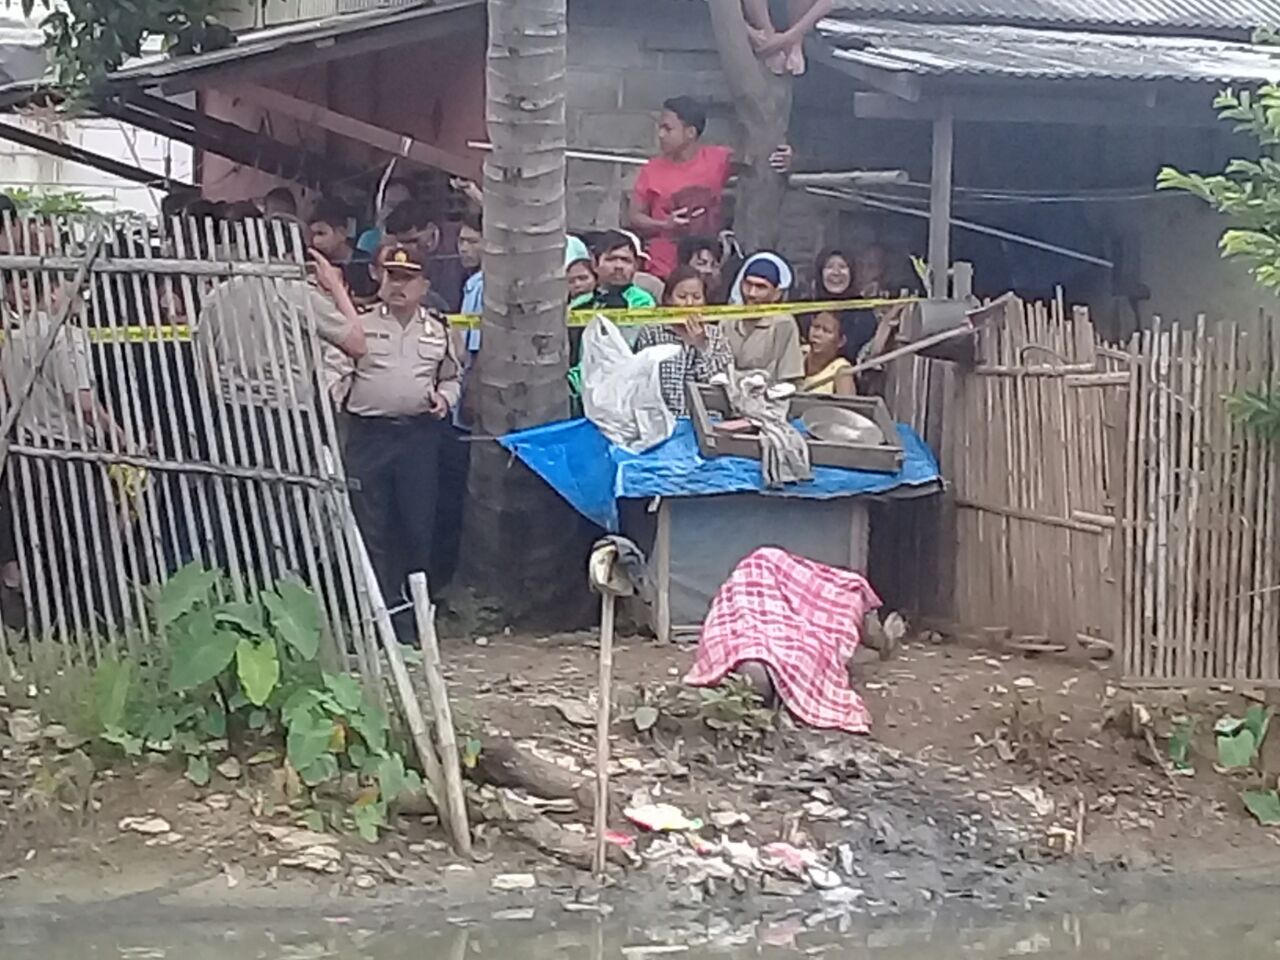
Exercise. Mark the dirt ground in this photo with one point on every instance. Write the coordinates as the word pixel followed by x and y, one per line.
pixel 989 777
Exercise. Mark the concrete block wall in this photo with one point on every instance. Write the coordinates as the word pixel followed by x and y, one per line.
pixel 625 59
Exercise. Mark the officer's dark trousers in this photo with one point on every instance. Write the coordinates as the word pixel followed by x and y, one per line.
pixel 395 463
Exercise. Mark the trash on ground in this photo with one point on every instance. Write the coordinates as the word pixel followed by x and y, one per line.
pixel 511 882
pixel 661 818
pixel 147 826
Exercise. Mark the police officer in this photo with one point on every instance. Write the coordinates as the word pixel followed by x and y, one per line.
pixel 398 400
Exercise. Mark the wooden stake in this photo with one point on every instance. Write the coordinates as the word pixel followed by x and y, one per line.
pixel 403 683
pixel 432 666
pixel 602 731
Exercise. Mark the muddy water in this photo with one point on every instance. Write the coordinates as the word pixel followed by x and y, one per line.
pixel 1239 927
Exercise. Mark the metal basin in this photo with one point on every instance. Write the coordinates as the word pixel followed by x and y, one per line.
pixel 836 425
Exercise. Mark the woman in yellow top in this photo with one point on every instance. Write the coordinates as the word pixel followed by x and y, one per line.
pixel 826 370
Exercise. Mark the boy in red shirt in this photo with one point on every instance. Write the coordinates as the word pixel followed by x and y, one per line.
pixel 680 192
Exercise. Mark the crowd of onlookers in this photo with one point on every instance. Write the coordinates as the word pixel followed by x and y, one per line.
pixel 386 272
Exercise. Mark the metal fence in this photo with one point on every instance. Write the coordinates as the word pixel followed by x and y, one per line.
pixel 158 463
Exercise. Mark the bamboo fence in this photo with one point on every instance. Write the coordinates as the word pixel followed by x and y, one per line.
pixel 1202 597
pixel 1102 497
pixel 101 515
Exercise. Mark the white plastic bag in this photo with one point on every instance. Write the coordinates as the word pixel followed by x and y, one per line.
pixel 621 392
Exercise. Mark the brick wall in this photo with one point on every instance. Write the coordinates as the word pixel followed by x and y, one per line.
pixel 625 59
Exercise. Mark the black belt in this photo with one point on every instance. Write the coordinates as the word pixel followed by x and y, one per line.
pixel 411 420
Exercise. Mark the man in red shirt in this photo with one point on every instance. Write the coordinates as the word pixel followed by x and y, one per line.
pixel 680 192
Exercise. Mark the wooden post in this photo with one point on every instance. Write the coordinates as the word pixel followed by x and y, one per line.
pixel 403 682
pixel 940 205
pixel 432 666
pixel 607 603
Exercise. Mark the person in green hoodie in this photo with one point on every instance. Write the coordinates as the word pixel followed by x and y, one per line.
pixel 617 261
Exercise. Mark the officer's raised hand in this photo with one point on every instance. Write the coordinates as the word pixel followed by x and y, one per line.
pixel 329 277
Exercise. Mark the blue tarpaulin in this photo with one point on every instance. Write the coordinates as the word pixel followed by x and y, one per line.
pixel 592 473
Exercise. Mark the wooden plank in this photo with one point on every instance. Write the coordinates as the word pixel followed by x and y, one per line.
pixel 940 205
pixel 662 553
pixel 360 131
pixel 68 151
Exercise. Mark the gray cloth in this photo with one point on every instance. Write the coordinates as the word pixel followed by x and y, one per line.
pixel 784 453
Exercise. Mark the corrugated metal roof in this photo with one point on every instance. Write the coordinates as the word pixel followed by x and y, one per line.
pixel 1015 52
pixel 1188 15
pixel 300 34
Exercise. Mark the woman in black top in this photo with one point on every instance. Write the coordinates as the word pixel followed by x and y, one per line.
pixel 833 279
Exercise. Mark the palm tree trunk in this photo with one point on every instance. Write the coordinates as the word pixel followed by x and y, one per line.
pixel 514 538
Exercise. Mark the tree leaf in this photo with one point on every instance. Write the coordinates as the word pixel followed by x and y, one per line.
pixel 258 668
pixel 391 777
pixel 471 751
pixel 201 653
pixel 214 721
pixel 308 740
pixel 183 592
pixel 160 725
pixel 245 617
pixel 1264 805
pixel 301 702
pixel 323 769
pixel 110 692
pixel 131 745
pixel 357 753
pixel 646 718
pixel 295 615
pixel 367 820
pixel 1236 752
pixel 345 691
pixel 371 724
pixel 198 770
pixel 1257 720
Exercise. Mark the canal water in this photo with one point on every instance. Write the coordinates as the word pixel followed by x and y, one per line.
pixel 1237 927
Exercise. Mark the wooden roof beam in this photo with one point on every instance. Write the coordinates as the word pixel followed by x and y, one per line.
pixel 67 151
pixel 361 131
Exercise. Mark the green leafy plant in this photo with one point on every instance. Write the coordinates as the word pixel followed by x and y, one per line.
pixel 90 38
pixel 1240 740
pixel 1264 805
pixel 53 203
pixel 249 669
pixel 736 707
pixel 1259 410
pixel 1247 191
pixel 1180 744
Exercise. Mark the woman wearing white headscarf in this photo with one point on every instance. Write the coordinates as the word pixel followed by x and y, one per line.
pixel 771 342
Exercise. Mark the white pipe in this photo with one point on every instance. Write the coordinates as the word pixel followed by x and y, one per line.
pixel 970 226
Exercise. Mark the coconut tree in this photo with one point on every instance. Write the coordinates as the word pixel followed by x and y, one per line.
pixel 515 528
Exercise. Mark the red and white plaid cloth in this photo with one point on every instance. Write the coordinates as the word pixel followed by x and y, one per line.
pixel 804 620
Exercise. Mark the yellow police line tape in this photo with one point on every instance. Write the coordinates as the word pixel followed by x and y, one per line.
pixel 648 316
pixel 626 317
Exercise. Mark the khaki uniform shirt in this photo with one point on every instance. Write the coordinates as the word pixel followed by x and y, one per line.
pixel 254 338
pixel 404 365
pixel 51 413
pixel 771 344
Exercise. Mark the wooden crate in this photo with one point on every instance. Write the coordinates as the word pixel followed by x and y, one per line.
pixel 706 399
